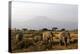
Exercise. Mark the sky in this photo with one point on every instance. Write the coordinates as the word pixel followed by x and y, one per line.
pixel 43 15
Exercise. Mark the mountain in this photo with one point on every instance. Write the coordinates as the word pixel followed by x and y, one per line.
pixel 40 22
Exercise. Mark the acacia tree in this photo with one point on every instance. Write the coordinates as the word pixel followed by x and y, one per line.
pixel 54 29
pixel 24 29
pixel 63 29
pixel 44 29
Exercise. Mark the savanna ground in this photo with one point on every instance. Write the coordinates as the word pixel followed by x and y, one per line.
pixel 36 45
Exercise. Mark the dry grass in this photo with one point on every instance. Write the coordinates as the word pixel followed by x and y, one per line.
pixel 42 47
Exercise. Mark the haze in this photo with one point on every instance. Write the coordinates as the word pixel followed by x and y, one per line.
pixel 40 15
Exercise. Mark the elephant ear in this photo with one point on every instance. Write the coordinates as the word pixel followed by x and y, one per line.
pixel 61 35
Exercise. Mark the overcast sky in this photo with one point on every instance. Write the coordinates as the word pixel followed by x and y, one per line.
pixel 40 15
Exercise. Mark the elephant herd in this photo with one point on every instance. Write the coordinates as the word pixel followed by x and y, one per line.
pixel 47 38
